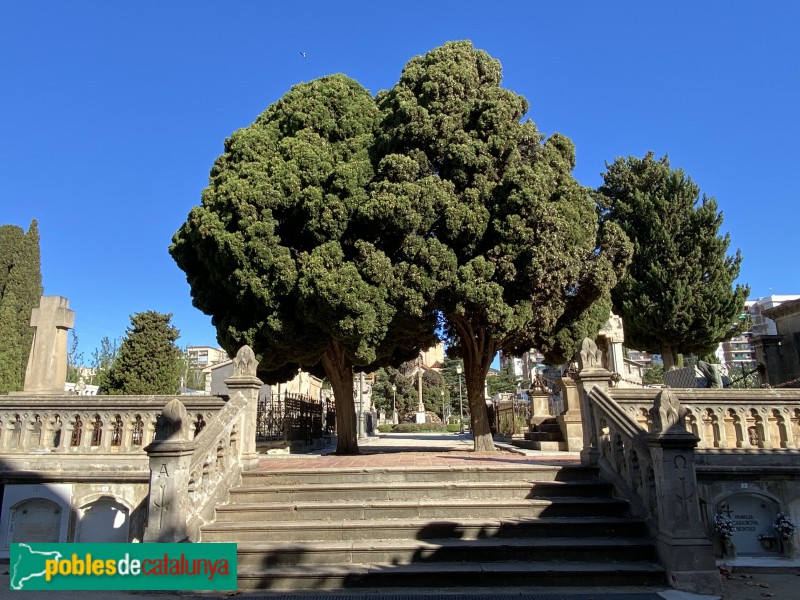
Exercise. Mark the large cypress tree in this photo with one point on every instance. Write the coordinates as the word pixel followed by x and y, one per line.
pixel 148 360
pixel 20 290
pixel 280 257
pixel 488 211
pixel 678 294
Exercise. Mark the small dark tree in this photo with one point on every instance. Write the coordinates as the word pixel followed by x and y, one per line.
pixel 20 290
pixel 678 295
pixel 148 358
pixel 654 374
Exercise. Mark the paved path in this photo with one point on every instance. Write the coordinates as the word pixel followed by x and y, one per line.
pixel 415 450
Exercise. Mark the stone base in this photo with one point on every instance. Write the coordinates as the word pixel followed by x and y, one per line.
pixel 696 582
pixel 540 404
pixel 572 432
pixel 420 417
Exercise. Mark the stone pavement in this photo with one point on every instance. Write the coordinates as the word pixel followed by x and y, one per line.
pixel 441 451
pixel 415 450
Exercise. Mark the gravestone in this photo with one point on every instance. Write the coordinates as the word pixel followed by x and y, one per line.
pixel 47 362
pixel 752 516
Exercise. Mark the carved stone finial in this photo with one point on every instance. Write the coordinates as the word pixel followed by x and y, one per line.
pixel 173 424
pixel 589 357
pixel 667 413
pixel 537 383
pixel 245 363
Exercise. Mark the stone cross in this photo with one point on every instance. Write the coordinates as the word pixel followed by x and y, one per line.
pixel 47 362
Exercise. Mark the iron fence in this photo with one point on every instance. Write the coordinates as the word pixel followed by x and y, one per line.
pixel 512 417
pixel 293 417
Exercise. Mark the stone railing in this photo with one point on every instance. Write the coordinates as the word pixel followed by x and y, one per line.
pixel 190 476
pixel 654 470
pixel 728 419
pixel 65 435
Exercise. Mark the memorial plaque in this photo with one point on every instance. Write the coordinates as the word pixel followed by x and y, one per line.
pixel 752 516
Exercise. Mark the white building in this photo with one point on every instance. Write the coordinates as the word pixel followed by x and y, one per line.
pixel 201 357
pixel 738 351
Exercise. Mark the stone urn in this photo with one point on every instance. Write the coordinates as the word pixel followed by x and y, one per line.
pixel 768 542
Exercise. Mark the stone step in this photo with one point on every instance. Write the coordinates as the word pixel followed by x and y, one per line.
pixel 439 575
pixel 544 436
pixel 313 529
pixel 544 446
pixel 386 529
pixel 461 490
pixel 431 474
pixel 425 509
pixel 397 552
pixel 549 428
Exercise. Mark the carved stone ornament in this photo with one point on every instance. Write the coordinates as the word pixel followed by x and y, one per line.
pixel 667 413
pixel 589 357
pixel 173 424
pixel 245 363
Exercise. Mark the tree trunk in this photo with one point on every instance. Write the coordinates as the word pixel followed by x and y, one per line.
pixel 340 373
pixel 479 416
pixel 668 356
pixel 478 355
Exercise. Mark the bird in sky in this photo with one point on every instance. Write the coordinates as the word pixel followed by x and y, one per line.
pixel 303 54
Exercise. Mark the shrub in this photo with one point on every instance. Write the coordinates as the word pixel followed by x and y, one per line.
pixel 418 428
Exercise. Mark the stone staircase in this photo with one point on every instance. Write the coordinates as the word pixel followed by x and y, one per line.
pixel 433 527
pixel 544 435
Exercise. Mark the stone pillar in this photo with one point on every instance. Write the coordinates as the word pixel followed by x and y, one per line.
pixel 245 383
pixel 614 335
pixel 591 373
pixel 768 354
pixel 570 421
pixel 681 542
pixel 47 362
pixel 170 459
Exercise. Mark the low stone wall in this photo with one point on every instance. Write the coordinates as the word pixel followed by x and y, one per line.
pixel 74 468
pixel 728 419
pixel 87 426
pixel 747 460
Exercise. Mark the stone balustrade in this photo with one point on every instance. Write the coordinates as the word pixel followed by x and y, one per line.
pixel 725 418
pixel 654 468
pixel 190 475
pixel 89 424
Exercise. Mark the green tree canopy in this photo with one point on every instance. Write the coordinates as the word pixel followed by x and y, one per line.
pixel 20 290
pixel 488 214
pixel 505 382
pixel 678 295
pixel 280 259
pixel 147 362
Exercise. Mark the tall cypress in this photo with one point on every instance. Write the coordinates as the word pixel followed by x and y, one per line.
pixel 20 290
pixel 678 295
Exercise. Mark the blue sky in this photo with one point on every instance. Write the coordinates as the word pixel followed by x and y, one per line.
pixel 111 114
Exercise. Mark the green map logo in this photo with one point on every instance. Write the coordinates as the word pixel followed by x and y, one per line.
pixel 123 567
